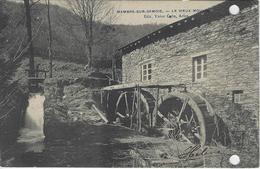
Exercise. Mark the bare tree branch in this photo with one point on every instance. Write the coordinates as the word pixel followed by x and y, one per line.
pixel 28 44
pixel 33 3
pixel 90 12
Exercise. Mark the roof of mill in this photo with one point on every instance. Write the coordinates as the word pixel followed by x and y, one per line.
pixel 206 16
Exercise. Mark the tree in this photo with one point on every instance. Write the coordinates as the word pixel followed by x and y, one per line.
pixel 3 21
pixel 3 17
pixel 29 34
pixel 50 37
pixel 91 12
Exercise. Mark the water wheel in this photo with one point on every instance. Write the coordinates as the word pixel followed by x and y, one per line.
pixel 127 110
pixel 187 116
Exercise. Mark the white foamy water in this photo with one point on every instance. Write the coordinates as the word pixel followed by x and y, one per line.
pixel 32 133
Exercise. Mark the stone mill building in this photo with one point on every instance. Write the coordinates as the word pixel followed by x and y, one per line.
pixel 214 53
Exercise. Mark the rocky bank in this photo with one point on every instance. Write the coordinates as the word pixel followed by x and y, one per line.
pixel 68 103
pixel 13 103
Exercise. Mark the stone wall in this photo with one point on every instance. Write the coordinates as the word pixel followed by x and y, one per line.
pixel 68 103
pixel 231 47
pixel 13 103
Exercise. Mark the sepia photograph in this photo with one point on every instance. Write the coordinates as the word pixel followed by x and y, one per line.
pixel 129 83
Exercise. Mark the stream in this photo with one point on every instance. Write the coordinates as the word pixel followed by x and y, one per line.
pixel 32 134
pixel 88 146
pixel 31 137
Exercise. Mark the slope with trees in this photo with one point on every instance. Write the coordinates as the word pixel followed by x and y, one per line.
pixel 68 38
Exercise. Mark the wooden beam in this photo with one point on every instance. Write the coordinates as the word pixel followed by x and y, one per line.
pixel 101 97
pixel 143 85
pixel 153 122
pixel 120 86
pixel 38 70
pixel 99 113
pixel 139 108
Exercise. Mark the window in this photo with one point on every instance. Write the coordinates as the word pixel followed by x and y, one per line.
pixel 199 67
pixel 146 72
pixel 237 96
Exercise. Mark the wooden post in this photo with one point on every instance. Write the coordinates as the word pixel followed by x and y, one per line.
pixel 113 68
pixel 133 108
pixel 156 107
pixel 169 89
pixel 139 108
pixel 107 98
pixel 37 70
pixel 101 98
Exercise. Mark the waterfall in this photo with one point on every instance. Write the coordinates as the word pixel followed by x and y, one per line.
pixel 34 113
pixel 32 133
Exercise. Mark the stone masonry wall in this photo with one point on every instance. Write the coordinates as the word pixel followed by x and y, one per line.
pixel 231 46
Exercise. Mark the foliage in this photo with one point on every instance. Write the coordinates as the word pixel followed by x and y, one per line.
pixel 7 67
pixel 68 37
pixel 243 128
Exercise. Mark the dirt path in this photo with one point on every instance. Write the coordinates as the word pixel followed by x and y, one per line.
pixel 114 146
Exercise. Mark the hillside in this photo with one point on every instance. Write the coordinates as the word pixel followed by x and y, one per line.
pixel 68 37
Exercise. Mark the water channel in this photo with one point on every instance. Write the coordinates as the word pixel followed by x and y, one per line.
pixel 31 135
pixel 87 145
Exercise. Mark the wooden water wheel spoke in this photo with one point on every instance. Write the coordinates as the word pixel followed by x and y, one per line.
pixel 183 108
pixel 133 104
pixel 189 129
pixel 194 121
pixel 183 121
pixel 197 135
pixel 186 118
pixel 191 118
pixel 166 120
pixel 127 107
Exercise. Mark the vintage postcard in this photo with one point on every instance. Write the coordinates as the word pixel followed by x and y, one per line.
pixel 129 83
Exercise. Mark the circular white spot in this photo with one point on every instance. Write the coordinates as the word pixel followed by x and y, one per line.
pixel 234 9
pixel 234 160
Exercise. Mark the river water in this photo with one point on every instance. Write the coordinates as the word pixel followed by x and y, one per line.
pixel 31 137
pixel 32 134
pixel 88 146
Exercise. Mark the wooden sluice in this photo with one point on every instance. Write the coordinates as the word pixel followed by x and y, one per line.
pixel 36 77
